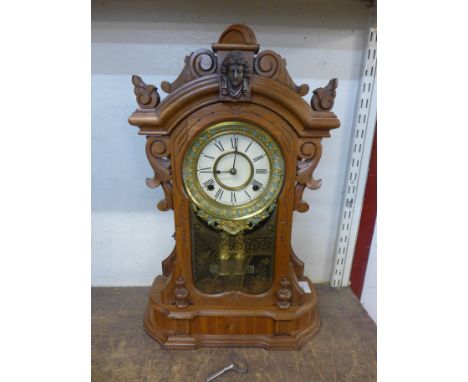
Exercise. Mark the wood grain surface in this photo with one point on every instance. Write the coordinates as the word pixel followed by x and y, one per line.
pixel 345 348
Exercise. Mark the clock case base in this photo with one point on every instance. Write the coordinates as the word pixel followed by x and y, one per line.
pixel 268 327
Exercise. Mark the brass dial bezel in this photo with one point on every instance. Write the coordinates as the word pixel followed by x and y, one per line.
pixel 251 210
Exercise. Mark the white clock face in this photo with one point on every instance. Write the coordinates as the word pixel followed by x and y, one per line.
pixel 233 169
pixel 233 172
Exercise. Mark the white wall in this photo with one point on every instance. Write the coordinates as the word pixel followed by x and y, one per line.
pixel 319 39
pixel 369 290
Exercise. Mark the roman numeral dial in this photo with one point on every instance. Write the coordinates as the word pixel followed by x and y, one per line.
pixel 233 171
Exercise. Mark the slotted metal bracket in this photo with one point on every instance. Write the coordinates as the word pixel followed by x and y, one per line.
pixel 358 164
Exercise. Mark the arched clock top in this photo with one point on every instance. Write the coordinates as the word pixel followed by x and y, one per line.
pixel 234 71
pixel 204 91
pixel 237 36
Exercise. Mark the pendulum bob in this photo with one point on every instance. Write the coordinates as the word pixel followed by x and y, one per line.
pixel 239 261
pixel 239 257
pixel 224 255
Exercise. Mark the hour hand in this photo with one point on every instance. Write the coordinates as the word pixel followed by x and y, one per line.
pixel 208 170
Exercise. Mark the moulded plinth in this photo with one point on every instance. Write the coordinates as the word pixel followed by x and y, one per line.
pixel 231 326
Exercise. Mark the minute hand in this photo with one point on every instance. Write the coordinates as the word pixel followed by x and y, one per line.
pixel 234 164
pixel 235 155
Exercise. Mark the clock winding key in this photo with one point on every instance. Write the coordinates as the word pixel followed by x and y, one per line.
pixel 237 364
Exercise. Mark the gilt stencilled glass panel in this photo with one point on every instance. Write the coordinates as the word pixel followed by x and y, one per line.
pixel 224 262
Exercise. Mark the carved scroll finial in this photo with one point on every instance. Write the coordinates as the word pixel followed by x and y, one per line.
pixel 270 64
pixel 181 293
pixel 200 63
pixel 284 294
pixel 324 98
pixel 146 95
pixel 235 76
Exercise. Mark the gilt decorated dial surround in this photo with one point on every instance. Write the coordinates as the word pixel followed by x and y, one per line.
pixel 207 172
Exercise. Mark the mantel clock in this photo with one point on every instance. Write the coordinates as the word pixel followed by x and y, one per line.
pixel 233 146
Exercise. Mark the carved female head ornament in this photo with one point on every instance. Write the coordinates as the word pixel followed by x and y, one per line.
pixel 235 75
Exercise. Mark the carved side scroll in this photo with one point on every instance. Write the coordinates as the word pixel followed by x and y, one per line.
pixel 309 153
pixel 146 95
pixel 200 63
pixel 159 156
pixel 272 65
pixel 324 98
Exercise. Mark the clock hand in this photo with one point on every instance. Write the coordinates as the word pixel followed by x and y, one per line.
pixel 206 171
pixel 234 164
pixel 235 155
pixel 212 172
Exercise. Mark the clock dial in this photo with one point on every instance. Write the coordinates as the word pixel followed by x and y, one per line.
pixel 233 169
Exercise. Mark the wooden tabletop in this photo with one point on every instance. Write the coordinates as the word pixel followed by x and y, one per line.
pixel 345 348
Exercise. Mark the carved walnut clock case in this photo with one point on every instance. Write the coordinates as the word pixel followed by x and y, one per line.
pixel 233 146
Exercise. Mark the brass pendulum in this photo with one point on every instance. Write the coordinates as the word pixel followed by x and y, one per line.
pixel 224 255
pixel 239 254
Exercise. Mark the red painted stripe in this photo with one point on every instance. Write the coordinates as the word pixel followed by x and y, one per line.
pixel 366 225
